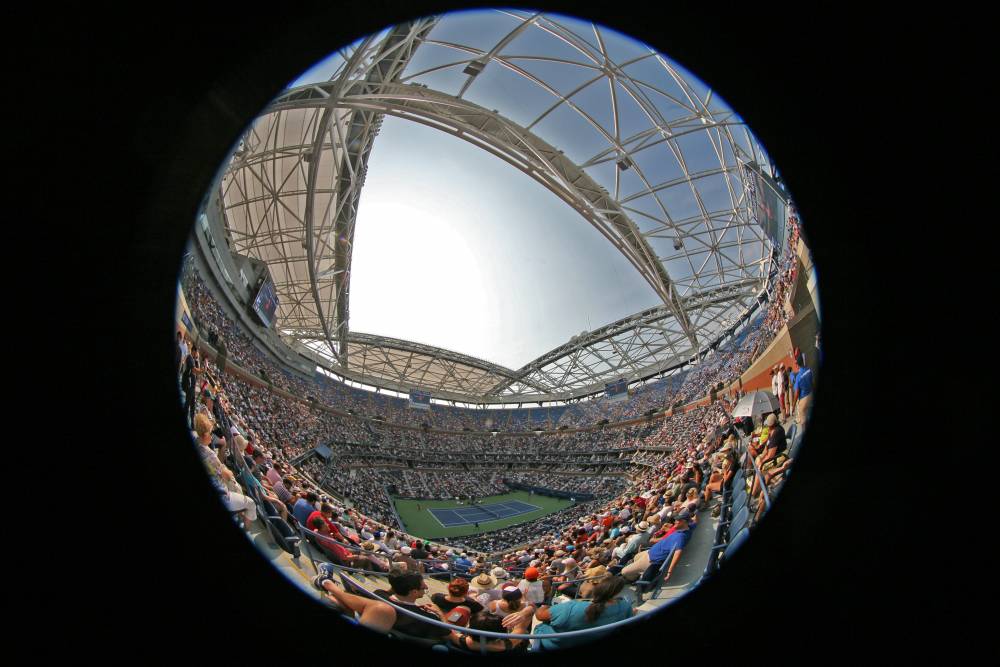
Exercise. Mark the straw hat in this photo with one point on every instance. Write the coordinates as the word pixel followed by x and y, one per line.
pixel 485 581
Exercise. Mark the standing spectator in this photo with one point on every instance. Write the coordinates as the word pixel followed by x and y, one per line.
pixel 802 385
pixel 776 383
pixel 783 391
pixel 189 379
pixel 182 350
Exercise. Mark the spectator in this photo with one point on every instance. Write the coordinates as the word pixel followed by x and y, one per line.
pixel 595 574
pixel 406 588
pixel 607 607
pixel 658 553
pixel 488 622
pixel 458 594
pixel 221 476
pixel 531 587
pixel 801 391
pixel 304 507
pixel 373 614
pixel 514 611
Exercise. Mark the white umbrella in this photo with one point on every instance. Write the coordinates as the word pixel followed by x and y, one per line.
pixel 755 404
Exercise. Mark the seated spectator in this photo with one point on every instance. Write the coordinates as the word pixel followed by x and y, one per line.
pixel 484 588
pixel 378 563
pixel 222 477
pixel 372 614
pixel 406 589
pixel 692 501
pixel 489 623
pixel 404 556
pixel 458 594
pixel 594 575
pixel 333 547
pixel 512 609
pixel 305 506
pixel 658 553
pixel 564 582
pixel 606 607
pixel 531 587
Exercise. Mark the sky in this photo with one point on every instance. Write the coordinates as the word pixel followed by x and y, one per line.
pixel 455 248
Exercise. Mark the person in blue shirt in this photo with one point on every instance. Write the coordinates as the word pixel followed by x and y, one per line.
pixel 675 541
pixel 606 607
pixel 802 386
pixel 462 564
pixel 304 507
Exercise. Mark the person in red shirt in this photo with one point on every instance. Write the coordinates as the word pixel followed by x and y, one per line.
pixel 333 547
pixel 325 512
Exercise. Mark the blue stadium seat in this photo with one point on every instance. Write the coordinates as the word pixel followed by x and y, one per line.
pixel 653 576
pixel 735 543
pixel 740 520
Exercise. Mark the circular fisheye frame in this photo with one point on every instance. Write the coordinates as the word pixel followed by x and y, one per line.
pixel 500 328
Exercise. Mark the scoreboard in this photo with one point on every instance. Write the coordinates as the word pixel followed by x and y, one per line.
pixel 266 302
pixel 420 400
pixel 616 391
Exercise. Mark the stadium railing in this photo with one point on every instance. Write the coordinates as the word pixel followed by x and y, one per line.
pixel 595 632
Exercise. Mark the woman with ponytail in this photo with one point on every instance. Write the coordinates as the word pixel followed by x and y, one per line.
pixel 608 606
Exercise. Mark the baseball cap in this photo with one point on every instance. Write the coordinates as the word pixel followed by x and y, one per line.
pixel 683 515
pixel 511 592
pixel 459 615
pixel 531 574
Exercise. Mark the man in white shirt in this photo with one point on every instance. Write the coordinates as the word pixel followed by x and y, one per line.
pixel 779 381
pixel 531 587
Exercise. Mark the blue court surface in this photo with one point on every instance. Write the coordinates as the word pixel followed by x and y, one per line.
pixel 480 513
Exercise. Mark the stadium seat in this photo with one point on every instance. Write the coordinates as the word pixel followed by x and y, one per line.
pixel 736 542
pixel 433 644
pixel 740 520
pixel 654 574
pixel 738 504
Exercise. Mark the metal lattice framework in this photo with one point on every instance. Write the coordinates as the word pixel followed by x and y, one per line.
pixel 628 139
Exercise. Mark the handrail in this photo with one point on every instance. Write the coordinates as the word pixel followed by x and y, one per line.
pixel 489 633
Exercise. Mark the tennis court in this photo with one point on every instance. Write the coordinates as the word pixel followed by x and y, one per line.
pixel 432 519
pixel 476 513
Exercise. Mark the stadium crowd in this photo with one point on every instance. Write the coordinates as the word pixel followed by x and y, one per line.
pixel 254 441
pixel 722 366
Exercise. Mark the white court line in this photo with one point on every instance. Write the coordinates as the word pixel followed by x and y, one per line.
pixel 436 518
